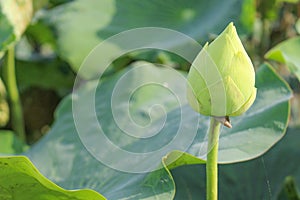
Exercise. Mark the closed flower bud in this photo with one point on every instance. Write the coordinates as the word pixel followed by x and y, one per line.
pixel 222 78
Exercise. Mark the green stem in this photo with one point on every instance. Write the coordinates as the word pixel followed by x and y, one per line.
pixel 212 160
pixel 9 76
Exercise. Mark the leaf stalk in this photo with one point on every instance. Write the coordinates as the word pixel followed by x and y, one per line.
pixel 9 76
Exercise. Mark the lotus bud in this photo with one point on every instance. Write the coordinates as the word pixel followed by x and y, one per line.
pixel 221 81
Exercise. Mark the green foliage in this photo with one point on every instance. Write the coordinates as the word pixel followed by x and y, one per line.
pixel 297 26
pixel 261 178
pixel 54 74
pixel 4 109
pixel 65 31
pixel 14 18
pixel 20 180
pixel 288 1
pixel 289 190
pixel 287 52
pixel 247 17
pixel 57 154
pixel 10 144
pixel 117 16
pixel 6 36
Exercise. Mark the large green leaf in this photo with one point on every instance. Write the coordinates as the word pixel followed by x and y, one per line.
pixel 81 25
pixel 287 52
pixel 261 178
pixel 20 180
pixel 61 156
pixel 64 141
pixel 14 18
